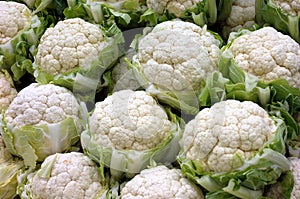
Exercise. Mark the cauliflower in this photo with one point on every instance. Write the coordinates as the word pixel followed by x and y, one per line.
pixel 65 175
pixel 178 55
pixel 292 7
pixel 129 120
pixel 42 104
pixel 228 130
pixel 7 91
pixel 75 54
pixel 174 59
pixel 230 145
pixel 70 44
pixel 43 119
pixel 14 17
pixel 268 54
pixel 176 7
pixel 130 127
pixel 20 31
pixel 160 182
pixel 242 15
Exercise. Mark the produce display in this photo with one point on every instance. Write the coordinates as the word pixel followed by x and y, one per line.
pixel 148 99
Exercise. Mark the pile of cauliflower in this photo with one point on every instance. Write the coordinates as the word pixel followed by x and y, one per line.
pixel 149 99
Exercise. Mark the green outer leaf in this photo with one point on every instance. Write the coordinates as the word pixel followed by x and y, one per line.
pixel 41 5
pixel 186 102
pixel 214 90
pixel 224 9
pixel 209 183
pixel 77 9
pixel 283 187
pixel 35 143
pixel 268 12
pixel 130 162
pixel 219 195
pixel 242 192
pixel 218 88
pixel 8 178
pixel 149 16
pixel 123 13
pixel 279 110
pixel 283 93
pixel 45 172
pixel 212 12
pixel 130 4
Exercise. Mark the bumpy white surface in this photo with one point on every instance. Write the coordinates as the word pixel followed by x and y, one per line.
pixel 227 130
pixel 73 176
pixel 268 54
pixel 178 55
pixel 129 120
pixel 242 15
pixel 42 104
pixel 290 6
pixel 70 44
pixel 176 7
pixel 160 182
pixel 7 91
pixel 295 165
pixel 14 17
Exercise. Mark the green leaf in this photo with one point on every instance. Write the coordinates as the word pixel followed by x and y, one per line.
pixel 45 171
pixel 150 17
pixel 242 192
pixel 270 13
pixel 35 143
pixel 8 178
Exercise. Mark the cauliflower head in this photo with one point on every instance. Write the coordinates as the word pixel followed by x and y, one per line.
pixel 160 182
pixel 42 104
pixel 14 17
pixel 295 165
pixel 70 44
pixel 178 55
pixel 290 6
pixel 129 120
pixel 223 136
pixel 43 119
pixel 71 175
pixel 176 7
pixel 242 15
pixel 7 90
pixel 268 54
